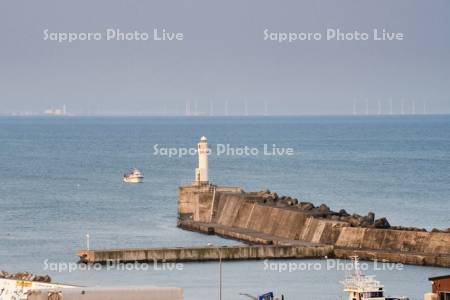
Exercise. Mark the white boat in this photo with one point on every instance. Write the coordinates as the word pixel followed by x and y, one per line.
pixel 134 176
pixel 364 287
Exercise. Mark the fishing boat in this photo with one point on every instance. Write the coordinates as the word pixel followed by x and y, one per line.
pixel 364 287
pixel 133 176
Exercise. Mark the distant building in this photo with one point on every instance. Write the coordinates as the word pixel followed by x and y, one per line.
pixel 440 288
pixel 56 111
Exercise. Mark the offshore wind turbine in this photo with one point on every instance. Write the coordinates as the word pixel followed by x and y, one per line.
pixel 188 108
pixel 226 108
pixel 211 108
pixel 245 107
pixel 195 107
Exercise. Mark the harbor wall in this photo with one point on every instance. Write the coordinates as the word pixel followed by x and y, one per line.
pixel 186 254
pixel 394 240
pixel 237 215
pixel 238 210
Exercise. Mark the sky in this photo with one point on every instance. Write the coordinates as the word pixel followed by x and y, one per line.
pixel 224 64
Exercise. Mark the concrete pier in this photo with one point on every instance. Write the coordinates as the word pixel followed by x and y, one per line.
pixel 233 213
pixel 197 254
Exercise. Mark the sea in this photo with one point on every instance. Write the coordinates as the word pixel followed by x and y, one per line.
pixel 61 180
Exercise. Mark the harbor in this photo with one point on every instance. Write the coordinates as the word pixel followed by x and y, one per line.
pixel 275 227
pixel 217 218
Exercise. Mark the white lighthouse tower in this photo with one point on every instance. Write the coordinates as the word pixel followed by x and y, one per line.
pixel 201 173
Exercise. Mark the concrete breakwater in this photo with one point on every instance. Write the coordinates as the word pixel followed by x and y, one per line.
pixel 252 218
pixel 186 254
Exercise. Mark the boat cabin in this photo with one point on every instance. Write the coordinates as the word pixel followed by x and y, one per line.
pixel 441 287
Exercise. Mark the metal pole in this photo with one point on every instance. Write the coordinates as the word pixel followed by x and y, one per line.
pixel 220 276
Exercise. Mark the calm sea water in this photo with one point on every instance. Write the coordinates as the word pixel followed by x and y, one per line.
pixel 60 178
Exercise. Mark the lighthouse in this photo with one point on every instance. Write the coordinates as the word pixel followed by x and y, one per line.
pixel 201 173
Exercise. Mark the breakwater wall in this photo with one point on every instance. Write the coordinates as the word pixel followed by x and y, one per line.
pixel 187 254
pixel 232 213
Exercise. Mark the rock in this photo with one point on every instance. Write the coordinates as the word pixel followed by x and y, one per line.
pixel 282 204
pixel 371 217
pixel 335 218
pixel 355 222
pixel 344 218
pixel 45 278
pixel 307 206
pixel 23 276
pixel 356 216
pixel 324 208
pixel 343 213
pixel 382 223
pixel 287 201
pixel 267 198
pixel 291 201
pixel 368 220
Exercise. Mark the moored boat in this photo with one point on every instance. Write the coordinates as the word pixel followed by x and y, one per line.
pixel 364 287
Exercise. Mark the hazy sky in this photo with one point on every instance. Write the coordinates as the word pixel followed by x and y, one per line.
pixel 224 57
